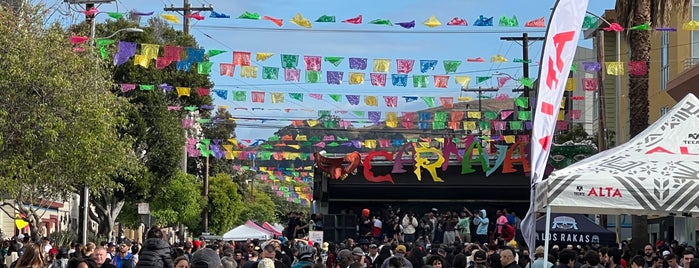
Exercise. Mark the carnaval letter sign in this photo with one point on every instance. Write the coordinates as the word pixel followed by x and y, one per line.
pixel 557 58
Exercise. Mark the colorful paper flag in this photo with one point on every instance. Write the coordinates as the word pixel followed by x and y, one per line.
pixel 289 61
pixel 292 75
pixel 407 24
pixel 171 18
pixel 420 81
pixel 355 20
pixel 326 18
pixel 456 21
pixel 382 65
pixel 432 22
pixel 358 63
pixel 381 22
pixel 483 21
pixel 301 21
pixel 441 81
pixel 536 23
pixel 270 73
pixel 463 81
pixel 378 79
pixel 615 68
pixel 313 76
pixel 334 60
pixel 334 77
pixel 399 80
pixel 227 69
pixel 508 22
pixel 356 78
pixel 276 21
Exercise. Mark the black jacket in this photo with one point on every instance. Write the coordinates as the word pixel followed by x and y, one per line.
pixel 155 254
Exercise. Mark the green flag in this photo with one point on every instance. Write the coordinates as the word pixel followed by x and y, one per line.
pixel 381 22
pixel 574 67
pixel 524 115
pixel 429 101
pixel 115 15
pixel 267 146
pixel 516 125
pixel 146 87
pixel 450 66
pixel 322 113
pixel 508 22
pixel 490 115
pixel 330 124
pixel 358 113
pixel 439 125
pixel 274 138
pixel 521 60
pixel 203 120
pixel 420 81
pixel 239 95
pixel 326 18
pixel 481 79
pixel 341 139
pixel 336 97
pixel 440 116
pixel 589 22
pixel 334 60
pixel 191 108
pixel 312 76
pixel 484 125
pixel 296 96
pixel 290 61
pixel 214 52
pixel 204 67
pixel 642 27
pixel 102 44
pixel 522 102
pixel 314 139
pixel 270 73
pixel 249 16
pixel 527 82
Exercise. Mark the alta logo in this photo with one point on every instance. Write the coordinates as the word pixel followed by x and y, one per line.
pixel 604 192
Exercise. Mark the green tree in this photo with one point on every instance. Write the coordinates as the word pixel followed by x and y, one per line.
pixel 60 118
pixel 631 13
pixel 224 204
pixel 222 128
pixel 260 209
pixel 179 201
pixel 575 134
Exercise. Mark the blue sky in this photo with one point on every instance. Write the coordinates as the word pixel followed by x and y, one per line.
pixel 349 40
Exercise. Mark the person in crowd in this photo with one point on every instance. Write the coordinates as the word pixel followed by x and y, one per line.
pixel 436 261
pixel 539 261
pixel 507 258
pixel 463 225
pixel 100 257
pixel 671 260
pixel 694 263
pixel 365 226
pixel 459 261
pixel 306 255
pixel 360 257
pixel 181 262
pixel 88 249
pixel 410 225
pixel 500 222
pixel 123 258
pixel 398 259
pixel 687 257
pixel 252 260
pixel 344 258
pixel 614 258
pixel 638 261
pixel 384 253
pixel 373 253
pixel 156 251
pixel 31 258
pixel 566 258
pixel 604 257
pixel 449 228
pixel 481 220
pixel 61 259
pixel 204 258
pixel 649 255
pixel 415 256
pixel 591 258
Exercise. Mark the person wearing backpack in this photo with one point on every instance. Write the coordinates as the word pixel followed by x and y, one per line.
pixel 124 259
pixel 156 252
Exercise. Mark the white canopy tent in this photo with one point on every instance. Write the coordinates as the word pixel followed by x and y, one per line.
pixel 245 232
pixel 656 173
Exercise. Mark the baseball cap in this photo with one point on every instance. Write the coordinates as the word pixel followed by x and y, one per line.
pixel 373 246
pixel 357 251
pixel 205 258
pixel 401 249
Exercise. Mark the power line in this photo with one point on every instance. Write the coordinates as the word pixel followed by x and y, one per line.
pixel 325 31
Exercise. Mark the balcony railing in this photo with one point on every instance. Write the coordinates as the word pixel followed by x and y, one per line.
pixel 690 62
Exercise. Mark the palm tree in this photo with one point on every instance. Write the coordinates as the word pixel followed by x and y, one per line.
pixel 637 12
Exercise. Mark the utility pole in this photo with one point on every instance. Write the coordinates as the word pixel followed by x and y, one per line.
pixel 601 133
pixel 205 193
pixel 187 9
pixel 525 54
pixel 480 94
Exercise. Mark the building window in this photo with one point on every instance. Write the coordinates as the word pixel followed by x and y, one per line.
pixel 695 34
pixel 664 110
pixel 664 59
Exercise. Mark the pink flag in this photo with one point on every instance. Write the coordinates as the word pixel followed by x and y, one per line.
pixel 316 96
pixel 378 79
pixel 502 80
pixel 404 66
pixel 589 84
pixel 447 102
pixel 312 62
pixel 258 96
pixel 575 114
pixel 127 87
pixel 241 58
pixel 441 81
pixel 227 69
pixel 355 20
pixel 391 101
pixel 292 75
pixel 172 53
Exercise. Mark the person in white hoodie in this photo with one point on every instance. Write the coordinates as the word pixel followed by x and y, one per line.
pixel 481 219
pixel 409 223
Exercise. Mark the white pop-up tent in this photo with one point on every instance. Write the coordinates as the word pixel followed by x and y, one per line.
pixel 245 232
pixel 655 173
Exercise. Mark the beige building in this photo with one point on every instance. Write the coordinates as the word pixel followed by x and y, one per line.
pixel 56 216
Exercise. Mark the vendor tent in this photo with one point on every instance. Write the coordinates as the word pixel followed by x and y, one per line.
pixel 574 229
pixel 271 228
pixel 655 173
pixel 245 232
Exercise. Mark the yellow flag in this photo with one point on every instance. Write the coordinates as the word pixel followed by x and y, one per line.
pixel 615 68
pixel 150 51
pixel 312 123
pixel 391 119
pixel 301 138
pixel 301 21
pixel 248 71
pixel 382 65
pixel 183 91
pixel 432 22
pixel 561 116
pixel 233 141
pixel 356 78
pixel 440 140
pixel 293 156
pixel 509 139
pixel 424 144
pixel 463 99
pixel 371 144
pixel 563 103
pixel 469 125
pixel 262 56
pixel 171 18
pixel 295 146
pixel 570 85
pixel 277 97
pixel 141 60
pixel 371 101
pixel 462 80
pixel 474 115
pixel 498 58
pixel 20 222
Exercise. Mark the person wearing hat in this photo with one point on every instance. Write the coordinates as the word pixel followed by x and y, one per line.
pixel 479 259
pixel 360 257
pixel 507 258
pixel 539 261
pixel 205 258
pixel 306 255
pixel 373 252
pixel 344 259
pixel 398 259
pixel 123 259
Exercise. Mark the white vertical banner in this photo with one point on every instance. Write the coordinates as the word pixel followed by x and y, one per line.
pixel 559 50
